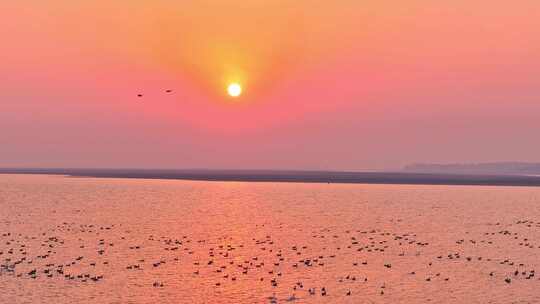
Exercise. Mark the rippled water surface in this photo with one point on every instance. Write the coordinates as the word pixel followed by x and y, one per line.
pixel 88 240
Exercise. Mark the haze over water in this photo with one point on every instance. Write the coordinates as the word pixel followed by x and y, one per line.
pixel 170 241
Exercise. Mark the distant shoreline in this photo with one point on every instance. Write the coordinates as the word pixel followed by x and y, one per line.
pixel 406 178
pixel 493 168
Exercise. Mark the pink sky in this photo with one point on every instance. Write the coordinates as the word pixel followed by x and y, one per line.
pixel 344 84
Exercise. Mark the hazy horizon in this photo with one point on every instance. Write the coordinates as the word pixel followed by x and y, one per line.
pixel 420 167
pixel 340 85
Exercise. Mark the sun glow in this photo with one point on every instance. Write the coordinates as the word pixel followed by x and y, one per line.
pixel 234 90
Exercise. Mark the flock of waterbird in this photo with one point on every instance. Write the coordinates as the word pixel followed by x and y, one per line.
pixel 371 254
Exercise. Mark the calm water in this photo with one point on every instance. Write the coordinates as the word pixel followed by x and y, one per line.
pixel 67 240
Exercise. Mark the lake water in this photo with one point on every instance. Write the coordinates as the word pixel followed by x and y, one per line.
pixel 91 240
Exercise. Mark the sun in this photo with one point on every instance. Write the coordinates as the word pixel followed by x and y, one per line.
pixel 234 90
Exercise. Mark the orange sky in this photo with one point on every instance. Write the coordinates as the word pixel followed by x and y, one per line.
pixel 327 84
